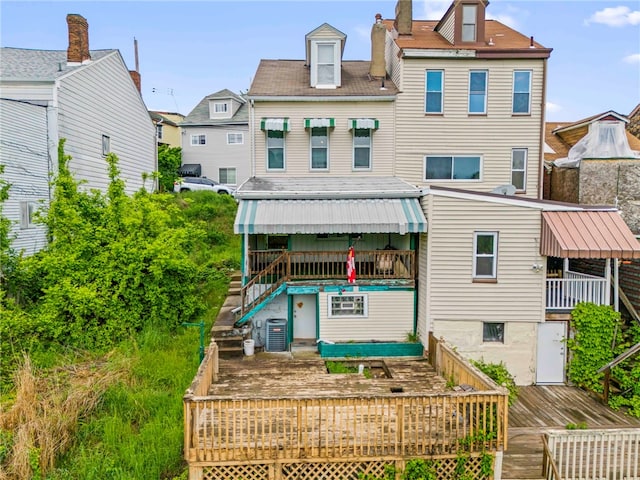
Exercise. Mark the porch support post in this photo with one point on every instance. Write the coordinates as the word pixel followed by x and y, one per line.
pixel 565 267
pixel 245 259
pixel 616 285
pixel 607 275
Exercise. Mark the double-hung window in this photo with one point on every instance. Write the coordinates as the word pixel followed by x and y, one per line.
pixel 275 150
pixel 198 139
pixel 319 148
pixel 348 305
pixel 469 15
pixel 27 214
pixel 434 91
pixel 106 145
pixel 485 255
pixel 452 167
pixel 325 73
pixel 522 92
pixel 478 91
pixel 220 107
pixel 362 149
pixel 519 168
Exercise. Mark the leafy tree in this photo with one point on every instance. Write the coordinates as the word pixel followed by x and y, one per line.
pixel 169 160
pixel 7 255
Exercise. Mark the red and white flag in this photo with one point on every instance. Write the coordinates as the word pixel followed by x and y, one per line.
pixel 351 266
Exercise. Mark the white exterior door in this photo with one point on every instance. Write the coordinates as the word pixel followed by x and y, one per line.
pixel 551 352
pixel 304 316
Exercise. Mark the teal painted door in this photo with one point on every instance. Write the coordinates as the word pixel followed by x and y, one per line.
pixel 304 316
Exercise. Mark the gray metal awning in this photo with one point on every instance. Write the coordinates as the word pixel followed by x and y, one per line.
pixel 380 215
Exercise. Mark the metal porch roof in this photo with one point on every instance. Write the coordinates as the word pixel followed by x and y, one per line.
pixel 381 215
pixel 587 234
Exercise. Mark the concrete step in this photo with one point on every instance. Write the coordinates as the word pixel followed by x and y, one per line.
pixel 236 276
pixel 221 328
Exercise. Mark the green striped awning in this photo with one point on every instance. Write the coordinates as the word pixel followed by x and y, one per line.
pixel 279 124
pixel 371 123
pixel 319 122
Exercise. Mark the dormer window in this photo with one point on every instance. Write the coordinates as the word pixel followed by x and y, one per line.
pixel 469 19
pixel 325 70
pixel 221 107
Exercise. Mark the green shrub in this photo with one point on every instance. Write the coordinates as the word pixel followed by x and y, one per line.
pixel 498 373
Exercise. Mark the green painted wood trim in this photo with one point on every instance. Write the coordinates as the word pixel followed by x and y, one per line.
pixel 415 312
pixel 317 315
pixel 247 316
pixel 290 319
pixel 383 288
pixel 293 290
pixel 390 349
pixel 338 288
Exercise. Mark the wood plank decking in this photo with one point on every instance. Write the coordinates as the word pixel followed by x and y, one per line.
pixel 540 408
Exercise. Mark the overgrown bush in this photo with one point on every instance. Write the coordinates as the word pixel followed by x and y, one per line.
pixel 498 373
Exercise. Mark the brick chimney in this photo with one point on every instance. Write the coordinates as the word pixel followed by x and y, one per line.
pixel 78 51
pixel 135 76
pixel 378 68
pixel 404 17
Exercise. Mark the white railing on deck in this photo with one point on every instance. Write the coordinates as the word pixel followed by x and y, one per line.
pixel 593 454
pixel 565 293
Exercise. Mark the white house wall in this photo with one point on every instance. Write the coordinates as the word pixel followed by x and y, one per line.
pixel 98 100
pixel 24 154
pixel 217 153
pixel 390 318
pixel 34 92
pixel 518 352
pixel 456 132
pixel 297 151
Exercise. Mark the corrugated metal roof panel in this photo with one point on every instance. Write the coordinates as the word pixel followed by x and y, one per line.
pixel 330 216
pixel 587 234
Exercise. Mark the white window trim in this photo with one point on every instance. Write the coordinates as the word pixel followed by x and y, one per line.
pixel 315 82
pixel 28 209
pixel 241 142
pixel 494 255
pixel 284 152
pixel 106 145
pixel 452 155
pixel 486 90
pixel 365 305
pixel 524 170
pixel 513 92
pixel 198 135
pixel 311 168
pixel 221 104
pixel 426 72
pixel 353 149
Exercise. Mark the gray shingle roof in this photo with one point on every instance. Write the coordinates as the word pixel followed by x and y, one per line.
pixel 310 187
pixel 288 78
pixel 200 114
pixel 21 64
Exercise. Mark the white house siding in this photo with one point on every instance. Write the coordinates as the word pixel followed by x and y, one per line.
pixel 297 150
pixel 422 328
pixel 40 92
pixel 447 29
pixel 392 60
pixel 217 153
pixel 456 132
pixel 101 99
pixel 456 307
pixel 518 352
pixel 24 154
pixel 390 318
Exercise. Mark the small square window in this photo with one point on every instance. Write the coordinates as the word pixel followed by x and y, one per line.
pixel 355 305
pixel 493 332
pixel 106 145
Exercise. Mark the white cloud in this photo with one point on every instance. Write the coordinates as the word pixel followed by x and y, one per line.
pixel 552 107
pixel 615 17
pixel 432 9
pixel 635 58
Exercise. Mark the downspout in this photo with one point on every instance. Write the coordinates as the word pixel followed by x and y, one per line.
pixel 253 138
pixel 616 285
pixel 542 129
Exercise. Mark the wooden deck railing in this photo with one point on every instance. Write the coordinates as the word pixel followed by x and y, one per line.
pixel 565 293
pixel 264 283
pixel 343 428
pixel 594 454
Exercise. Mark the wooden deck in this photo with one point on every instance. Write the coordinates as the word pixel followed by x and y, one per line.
pixel 540 408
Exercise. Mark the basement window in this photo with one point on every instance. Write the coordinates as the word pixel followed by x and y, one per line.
pixel 493 332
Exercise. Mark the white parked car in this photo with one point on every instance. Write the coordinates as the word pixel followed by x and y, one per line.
pixel 201 183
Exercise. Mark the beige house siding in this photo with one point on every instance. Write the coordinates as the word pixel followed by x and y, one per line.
pixel 390 318
pixel 297 150
pixel 518 294
pixel 447 29
pixel 518 351
pixel 422 328
pixel 456 132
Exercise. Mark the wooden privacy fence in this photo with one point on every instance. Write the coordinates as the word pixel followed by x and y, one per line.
pixel 594 454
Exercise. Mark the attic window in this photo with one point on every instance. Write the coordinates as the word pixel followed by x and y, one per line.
pixel 469 20
pixel 325 64
pixel 220 107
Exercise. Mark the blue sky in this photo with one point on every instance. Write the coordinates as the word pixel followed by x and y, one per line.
pixel 189 49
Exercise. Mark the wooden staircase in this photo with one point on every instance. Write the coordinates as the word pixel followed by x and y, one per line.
pixel 523 458
pixel 230 340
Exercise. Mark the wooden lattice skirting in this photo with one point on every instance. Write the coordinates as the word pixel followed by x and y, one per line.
pixel 343 470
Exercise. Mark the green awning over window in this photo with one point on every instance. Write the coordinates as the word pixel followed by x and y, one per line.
pixel 319 122
pixel 279 124
pixel 360 123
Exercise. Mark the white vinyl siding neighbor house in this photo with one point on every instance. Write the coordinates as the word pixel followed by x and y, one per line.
pixel 25 155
